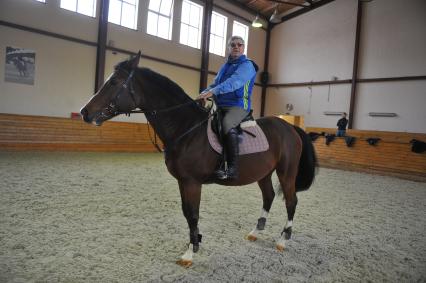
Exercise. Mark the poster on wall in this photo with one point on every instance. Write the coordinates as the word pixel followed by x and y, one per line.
pixel 20 65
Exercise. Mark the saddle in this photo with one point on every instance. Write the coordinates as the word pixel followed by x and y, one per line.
pixel 251 136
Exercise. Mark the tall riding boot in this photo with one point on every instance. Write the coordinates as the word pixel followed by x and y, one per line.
pixel 232 150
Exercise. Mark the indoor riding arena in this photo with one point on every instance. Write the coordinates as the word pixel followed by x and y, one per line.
pixel 103 150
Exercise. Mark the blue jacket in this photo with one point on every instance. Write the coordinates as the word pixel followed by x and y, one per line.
pixel 234 82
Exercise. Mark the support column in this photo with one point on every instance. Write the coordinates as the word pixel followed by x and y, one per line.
pixel 355 66
pixel 205 41
pixel 265 75
pixel 101 44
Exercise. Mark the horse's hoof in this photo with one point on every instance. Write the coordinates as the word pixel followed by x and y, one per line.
pixel 251 237
pixel 280 248
pixel 184 262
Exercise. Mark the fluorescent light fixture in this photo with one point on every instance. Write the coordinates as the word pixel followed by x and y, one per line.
pixel 256 22
pixel 382 114
pixel 333 113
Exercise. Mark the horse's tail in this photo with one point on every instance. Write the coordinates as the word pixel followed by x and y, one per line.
pixel 307 164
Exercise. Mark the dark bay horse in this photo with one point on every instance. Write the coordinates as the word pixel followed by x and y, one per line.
pixel 181 123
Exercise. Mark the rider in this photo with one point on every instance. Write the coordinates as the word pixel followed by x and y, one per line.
pixel 232 89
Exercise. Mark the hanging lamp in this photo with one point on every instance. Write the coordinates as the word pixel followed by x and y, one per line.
pixel 275 19
pixel 256 22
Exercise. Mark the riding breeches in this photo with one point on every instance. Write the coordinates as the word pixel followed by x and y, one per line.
pixel 232 117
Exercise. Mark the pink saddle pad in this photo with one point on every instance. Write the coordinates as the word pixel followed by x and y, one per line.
pixel 249 144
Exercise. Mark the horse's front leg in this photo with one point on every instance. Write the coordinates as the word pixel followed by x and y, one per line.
pixel 190 192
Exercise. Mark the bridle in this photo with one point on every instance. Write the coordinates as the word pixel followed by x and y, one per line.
pixel 127 88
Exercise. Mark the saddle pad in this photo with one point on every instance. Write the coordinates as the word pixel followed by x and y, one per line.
pixel 247 145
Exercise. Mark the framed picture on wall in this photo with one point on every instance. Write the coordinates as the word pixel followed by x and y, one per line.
pixel 20 65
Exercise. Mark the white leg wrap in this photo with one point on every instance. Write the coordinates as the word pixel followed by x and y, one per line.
pixel 264 213
pixel 189 253
pixel 289 224
pixel 255 231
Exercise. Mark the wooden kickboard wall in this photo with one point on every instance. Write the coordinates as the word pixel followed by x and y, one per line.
pixel 25 132
pixel 391 155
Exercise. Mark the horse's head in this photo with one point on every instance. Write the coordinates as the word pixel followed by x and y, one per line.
pixel 116 96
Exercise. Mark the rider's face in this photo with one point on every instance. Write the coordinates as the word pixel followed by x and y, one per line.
pixel 236 48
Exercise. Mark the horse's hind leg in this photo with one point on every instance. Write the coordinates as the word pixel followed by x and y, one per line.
pixel 268 195
pixel 190 193
pixel 288 185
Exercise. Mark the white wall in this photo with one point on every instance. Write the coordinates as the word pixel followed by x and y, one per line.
pixel 65 71
pixel 310 103
pixel 313 47
pixel 64 75
pixel 407 99
pixel 320 44
pixel 393 44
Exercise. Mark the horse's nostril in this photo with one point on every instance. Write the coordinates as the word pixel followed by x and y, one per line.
pixel 84 113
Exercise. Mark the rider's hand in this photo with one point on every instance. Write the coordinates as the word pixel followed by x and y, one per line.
pixel 205 95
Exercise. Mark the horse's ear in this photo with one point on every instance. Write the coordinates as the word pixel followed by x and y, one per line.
pixel 135 60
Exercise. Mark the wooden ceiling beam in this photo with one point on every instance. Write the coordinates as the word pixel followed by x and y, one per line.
pixel 251 2
pixel 247 9
pixel 289 3
pixel 264 10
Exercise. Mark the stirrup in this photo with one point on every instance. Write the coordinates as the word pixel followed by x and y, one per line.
pixel 221 174
pixel 225 174
pixel 231 173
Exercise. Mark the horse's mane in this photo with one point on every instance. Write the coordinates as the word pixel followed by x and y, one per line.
pixel 175 93
pixel 168 90
pixel 167 84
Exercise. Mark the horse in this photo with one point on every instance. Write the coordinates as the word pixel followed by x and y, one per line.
pixel 21 65
pixel 181 124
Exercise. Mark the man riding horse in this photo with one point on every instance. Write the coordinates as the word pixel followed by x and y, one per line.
pixel 232 89
pixel 188 156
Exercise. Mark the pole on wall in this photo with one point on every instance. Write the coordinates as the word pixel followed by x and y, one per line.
pixel 355 66
pixel 265 75
pixel 205 41
pixel 101 44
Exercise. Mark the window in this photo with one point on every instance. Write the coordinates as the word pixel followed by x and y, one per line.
pixel 241 30
pixel 160 18
pixel 191 21
pixel 85 7
pixel 123 13
pixel 218 34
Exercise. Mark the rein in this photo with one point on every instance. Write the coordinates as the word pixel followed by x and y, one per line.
pixel 190 130
pixel 155 112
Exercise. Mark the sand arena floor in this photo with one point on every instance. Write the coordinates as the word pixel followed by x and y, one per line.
pixel 114 217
